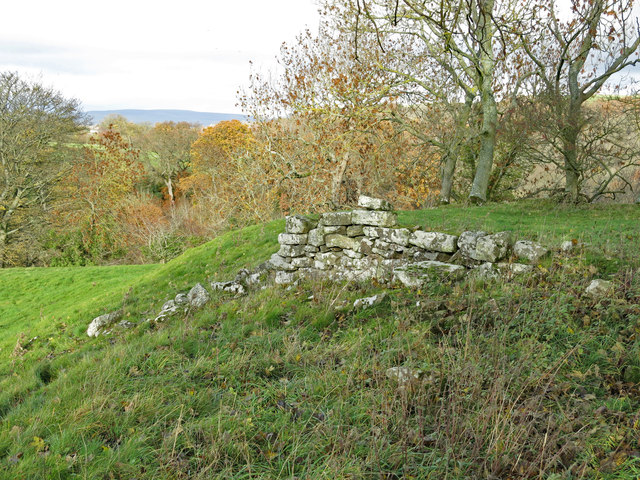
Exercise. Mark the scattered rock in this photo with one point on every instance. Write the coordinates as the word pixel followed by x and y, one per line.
pixel 285 278
pixel 567 246
pixel 599 288
pixel 403 375
pixel 98 324
pixel 230 287
pixel 181 299
pixel 532 251
pixel 368 302
pixel 198 296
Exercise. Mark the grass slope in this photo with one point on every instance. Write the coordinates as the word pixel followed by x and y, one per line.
pixel 519 379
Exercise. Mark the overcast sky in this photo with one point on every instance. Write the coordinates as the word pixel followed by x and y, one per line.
pixel 189 54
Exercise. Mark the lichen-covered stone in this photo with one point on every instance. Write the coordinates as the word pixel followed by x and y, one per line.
pixel 434 241
pixel 399 236
pixel 355 231
pixel 531 251
pixel 298 224
pixel 310 249
pixel 491 248
pixel 343 242
pixel 514 268
pixel 340 229
pixel 301 262
pixel 418 274
pixel 198 296
pixel 336 218
pixel 372 203
pixel 98 324
pixel 316 237
pixel 285 278
pixel 352 253
pixel 280 263
pixel 293 238
pixel 599 288
pixel 230 287
pixel 291 250
pixel 374 218
pixel 567 246
pixel 467 242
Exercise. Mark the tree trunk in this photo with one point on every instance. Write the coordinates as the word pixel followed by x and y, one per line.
pixel 169 185
pixel 489 109
pixel 338 177
pixel 487 144
pixel 3 246
pixel 447 177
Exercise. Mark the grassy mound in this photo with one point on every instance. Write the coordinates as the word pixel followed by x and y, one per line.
pixel 520 379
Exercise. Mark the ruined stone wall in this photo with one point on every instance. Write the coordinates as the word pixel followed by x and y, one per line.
pixel 367 243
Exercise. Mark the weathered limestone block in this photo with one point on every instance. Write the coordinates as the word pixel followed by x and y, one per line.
pixel 492 248
pixel 399 236
pixel 419 274
pixel 291 250
pixel 366 246
pixel 599 288
pixel 198 296
pixel 98 324
pixel 532 251
pixel 434 241
pixel 181 299
pixel 316 237
pixel 285 278
pixel 485 271
pixel 339 229
pixel 328 260
pixel 352 253
pixel 279 263
pixel 293 238
pixel 363 263
pixel 310 249
pixel 355 231
pixel 374 218
pixel 298 224
pixel 336 218
pixel 467 242
pixel 342 241
pixel 373 203
pixel 301 262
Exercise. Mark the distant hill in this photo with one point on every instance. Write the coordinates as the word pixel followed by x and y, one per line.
pixel 155 116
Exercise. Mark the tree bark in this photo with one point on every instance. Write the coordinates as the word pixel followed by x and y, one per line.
pixel 489 108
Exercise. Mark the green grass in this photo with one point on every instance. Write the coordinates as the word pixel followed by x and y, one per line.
pixel 519 379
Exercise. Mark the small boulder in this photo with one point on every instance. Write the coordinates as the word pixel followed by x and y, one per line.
pixel 531 251
pixel 369 302
pixel 229 287
pixel 181 299
pixel 599 288
pixel 279 263
pixel 198 296
pixel 285 278
pixel 98 324
pixel 567 246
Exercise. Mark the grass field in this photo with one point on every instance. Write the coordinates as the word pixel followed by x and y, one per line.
pixel 526 379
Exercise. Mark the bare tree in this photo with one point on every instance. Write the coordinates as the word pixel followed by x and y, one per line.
pixel 575 58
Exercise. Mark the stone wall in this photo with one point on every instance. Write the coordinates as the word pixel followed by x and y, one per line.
pixel 367 243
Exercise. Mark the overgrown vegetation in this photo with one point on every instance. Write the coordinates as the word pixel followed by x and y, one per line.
pixel 521 379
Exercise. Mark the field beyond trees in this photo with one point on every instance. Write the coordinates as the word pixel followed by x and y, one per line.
pixel 523 379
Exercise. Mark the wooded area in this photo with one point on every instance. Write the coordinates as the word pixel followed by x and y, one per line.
pixel 418 102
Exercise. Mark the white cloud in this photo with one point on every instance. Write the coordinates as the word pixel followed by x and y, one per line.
pixel 192 54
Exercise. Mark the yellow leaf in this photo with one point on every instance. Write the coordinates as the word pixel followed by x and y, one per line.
pixel 38 443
